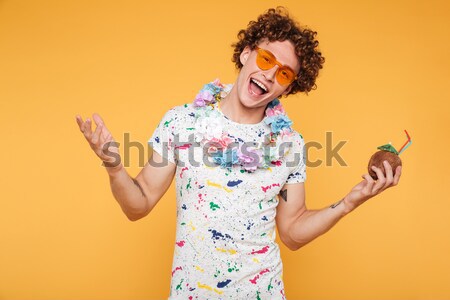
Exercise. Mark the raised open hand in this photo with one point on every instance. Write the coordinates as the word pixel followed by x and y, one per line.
pixel 101 140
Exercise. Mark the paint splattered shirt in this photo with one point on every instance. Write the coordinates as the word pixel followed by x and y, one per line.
pixel 225 241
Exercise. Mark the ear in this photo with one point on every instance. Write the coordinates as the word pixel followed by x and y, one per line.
pixel 244 55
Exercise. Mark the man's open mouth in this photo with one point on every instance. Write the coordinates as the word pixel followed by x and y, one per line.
pixel 257 87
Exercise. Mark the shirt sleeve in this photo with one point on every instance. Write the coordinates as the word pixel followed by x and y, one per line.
pixel 298 172
pixel 162 139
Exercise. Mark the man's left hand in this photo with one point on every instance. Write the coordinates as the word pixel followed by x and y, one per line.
pixel 369 187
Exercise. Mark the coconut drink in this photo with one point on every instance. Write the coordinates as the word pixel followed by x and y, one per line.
pixel 389 153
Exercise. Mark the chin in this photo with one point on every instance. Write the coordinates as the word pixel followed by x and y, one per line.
pixel 248 102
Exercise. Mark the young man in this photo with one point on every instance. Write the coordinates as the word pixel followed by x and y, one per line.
pixel 227 204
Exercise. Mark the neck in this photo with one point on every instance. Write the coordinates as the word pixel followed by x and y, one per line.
pixel 232 107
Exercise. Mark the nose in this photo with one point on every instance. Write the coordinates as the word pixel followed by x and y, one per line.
pixel 270 74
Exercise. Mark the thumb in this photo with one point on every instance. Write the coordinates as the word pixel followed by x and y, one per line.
pixel 369 184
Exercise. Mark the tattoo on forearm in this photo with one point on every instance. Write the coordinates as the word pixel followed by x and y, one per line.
pixel 283 195
pixel 336 204
pixel 138 185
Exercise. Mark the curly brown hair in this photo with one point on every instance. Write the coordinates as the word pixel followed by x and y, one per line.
pixel 276 25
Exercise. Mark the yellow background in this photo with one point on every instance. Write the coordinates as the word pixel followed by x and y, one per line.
pixel 62 234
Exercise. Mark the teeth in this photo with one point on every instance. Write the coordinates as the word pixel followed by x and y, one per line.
pixel 260 84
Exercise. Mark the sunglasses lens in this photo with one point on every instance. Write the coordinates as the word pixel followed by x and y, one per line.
pixel 285 76
pixel 265 60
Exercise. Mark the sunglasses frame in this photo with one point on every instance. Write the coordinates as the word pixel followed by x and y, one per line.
pixel 277 63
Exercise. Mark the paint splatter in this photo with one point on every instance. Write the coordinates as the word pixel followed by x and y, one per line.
pixel 264 218
pixel 198 268
pixel 213 206
pixel 277 163
pixel 180 243
pixel 200 198
pixel 219 236
pixel 222 284
pixel 210 183
pixel 263 250
pixel 176 269
pixel 231 251
pixel 188 186
pixel 265 188
pixel 232 268
pixel 250 224
pixel 184 206
pixel 182 170
pixel 166 124
pixel 257 276
pixel 217 273
pixel 183 147
pixel 207 287
pixel 179 286
pixel 232 183
pixel 270 286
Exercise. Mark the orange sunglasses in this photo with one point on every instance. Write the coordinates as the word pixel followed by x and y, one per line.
pixel 265 60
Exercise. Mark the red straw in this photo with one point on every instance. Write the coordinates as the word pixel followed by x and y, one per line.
pixel 409 140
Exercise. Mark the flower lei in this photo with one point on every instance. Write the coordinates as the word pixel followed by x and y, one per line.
pixel 209 132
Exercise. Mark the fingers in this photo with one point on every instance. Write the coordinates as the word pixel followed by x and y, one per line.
pixel 389 174
pixel 98 120
pixel 380 181
pixel 96 136
pixel 79 122
pixel 385 180
pixel 369 187
pixel 101 139
pixel 83 125
pixel 398 173
pixel 105 135
pixel 86 128
pixel 367 190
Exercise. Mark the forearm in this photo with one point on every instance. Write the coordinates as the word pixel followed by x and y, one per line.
pixel 128 192
pixel 313 223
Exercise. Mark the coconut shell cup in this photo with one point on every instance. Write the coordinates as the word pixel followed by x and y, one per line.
pixel 377 161
pixel 390 154
pixel 387 152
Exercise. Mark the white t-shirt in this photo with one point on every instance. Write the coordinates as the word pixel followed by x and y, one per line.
pixel 225 240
